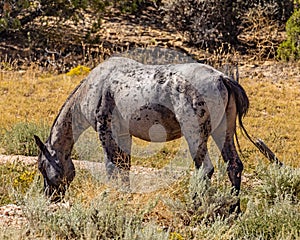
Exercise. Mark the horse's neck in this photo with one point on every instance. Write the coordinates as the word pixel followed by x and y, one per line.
pixel 69 124
pixel 61 136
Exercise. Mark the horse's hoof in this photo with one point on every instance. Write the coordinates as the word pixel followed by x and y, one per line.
pixel 235 208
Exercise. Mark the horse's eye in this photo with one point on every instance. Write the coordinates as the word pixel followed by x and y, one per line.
pixel 41 165
pixel 41 168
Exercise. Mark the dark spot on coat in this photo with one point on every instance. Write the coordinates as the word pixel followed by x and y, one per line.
pixel 161 81
pixel 202 113
pixel 180 88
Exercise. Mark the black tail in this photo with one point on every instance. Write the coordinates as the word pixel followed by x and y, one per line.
pixel 242 106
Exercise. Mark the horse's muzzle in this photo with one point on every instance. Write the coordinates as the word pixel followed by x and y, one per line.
pixel 55 193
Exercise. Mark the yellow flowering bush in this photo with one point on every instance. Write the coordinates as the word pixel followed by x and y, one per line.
pixel 79 70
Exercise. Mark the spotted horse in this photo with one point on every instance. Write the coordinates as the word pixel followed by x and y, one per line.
pixel 122 98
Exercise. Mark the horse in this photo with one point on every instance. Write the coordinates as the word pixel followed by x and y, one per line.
pixel 121 98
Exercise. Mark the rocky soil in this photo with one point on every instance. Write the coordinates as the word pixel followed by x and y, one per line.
pixel 12 215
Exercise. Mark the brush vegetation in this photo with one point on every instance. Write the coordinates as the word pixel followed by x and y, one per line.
pixel 91 210
pixel 290 48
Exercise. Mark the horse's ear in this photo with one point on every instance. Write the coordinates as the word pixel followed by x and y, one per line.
pixel 42 147
pixel 40 144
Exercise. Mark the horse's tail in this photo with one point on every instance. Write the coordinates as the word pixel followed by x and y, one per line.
pixel 242 106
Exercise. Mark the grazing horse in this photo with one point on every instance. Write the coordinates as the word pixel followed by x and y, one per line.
pixel 122 98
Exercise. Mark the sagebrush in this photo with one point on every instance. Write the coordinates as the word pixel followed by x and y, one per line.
pixel 100 212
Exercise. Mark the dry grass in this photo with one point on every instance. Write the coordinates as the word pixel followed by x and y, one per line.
pixel 274 115
pixel 32 96
pixel 93 211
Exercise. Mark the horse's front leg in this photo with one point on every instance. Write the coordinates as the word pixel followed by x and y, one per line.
pixel 197 141
pixel 116 142
pixel 117 154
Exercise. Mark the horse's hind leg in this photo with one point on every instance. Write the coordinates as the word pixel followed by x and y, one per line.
pixel 196 128
pixel 223 135
pixel 197 138
pixel 197 142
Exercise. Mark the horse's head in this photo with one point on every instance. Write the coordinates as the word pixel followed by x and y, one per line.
pixel 50 165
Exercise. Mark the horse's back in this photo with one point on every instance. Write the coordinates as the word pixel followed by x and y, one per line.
pixel 166 88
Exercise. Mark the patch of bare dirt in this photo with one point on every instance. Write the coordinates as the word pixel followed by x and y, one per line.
pixel 6 159
pixel 12 215
pixel 271 70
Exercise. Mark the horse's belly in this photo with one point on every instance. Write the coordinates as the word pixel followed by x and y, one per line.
pixel 154 123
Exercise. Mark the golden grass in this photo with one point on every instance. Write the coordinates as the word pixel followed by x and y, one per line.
pixel 274 116
pixel 274 113
pixel 32 96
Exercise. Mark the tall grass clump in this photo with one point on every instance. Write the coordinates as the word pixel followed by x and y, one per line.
pixel 204 211
pixel 264 221
pixel 18 140
pixel 209 200
pixel 271 210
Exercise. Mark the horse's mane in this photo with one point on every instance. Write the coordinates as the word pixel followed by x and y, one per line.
pixel 66 102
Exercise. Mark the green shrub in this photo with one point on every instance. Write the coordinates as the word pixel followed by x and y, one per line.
pixel 264 221
pixel 279 183
pixel 211 23
pixel 107 217
pixel 130 6
pixel 278 10
pixel 290 48
pixel 206 24
pixel 18 140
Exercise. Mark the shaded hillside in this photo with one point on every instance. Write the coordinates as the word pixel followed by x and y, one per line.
pixel 60 45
